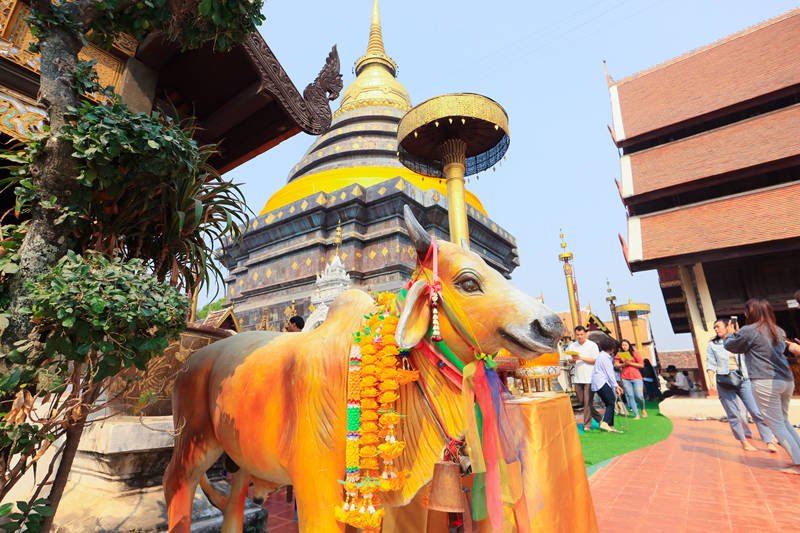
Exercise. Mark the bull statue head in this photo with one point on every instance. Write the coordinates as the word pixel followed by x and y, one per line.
pixel 493 312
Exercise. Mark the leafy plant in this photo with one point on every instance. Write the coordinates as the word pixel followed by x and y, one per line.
pixel 11 236
pixel 25 516
pixel 145 191
pixel 191 23
pixel 107 313
pixel 94 315
pixel 130 199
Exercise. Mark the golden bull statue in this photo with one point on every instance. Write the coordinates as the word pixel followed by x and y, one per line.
pixel 276 405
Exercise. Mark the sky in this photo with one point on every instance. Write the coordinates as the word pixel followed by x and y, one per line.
pixel 543 62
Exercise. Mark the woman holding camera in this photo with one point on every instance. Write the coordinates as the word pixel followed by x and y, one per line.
pixel 729 372
pixel 762 342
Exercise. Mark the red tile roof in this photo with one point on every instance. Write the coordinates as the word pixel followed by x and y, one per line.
pixel 683 359
pixel 743 66
pixel 760 216
pixel 760 140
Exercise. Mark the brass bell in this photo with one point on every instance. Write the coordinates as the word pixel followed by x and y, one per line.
pixel 446 488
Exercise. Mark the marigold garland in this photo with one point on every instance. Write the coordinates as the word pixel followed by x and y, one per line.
pixel 373 382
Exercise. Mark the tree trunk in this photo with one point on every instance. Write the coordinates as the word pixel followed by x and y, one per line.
pixel 82 400
pixel 53 171
pixel 73 438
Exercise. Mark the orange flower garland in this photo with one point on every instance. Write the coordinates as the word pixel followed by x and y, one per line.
pixel 373 385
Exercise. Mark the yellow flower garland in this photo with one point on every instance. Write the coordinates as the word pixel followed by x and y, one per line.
pixel 373 383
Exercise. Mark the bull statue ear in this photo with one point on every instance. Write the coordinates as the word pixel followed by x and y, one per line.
pixel 415 318
pixel 420 237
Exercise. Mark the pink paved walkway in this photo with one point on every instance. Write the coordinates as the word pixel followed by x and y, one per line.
pixel 280 517
pixel 697 480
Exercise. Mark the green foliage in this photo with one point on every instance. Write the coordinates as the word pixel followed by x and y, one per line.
pixel 146 208
pixel 26 517
pixel 108 313
pixel 116 145
pixel 86 82
pixel 145 191
pixel 210 308
pixel 189 22
pixel 11 236
pixel 57 16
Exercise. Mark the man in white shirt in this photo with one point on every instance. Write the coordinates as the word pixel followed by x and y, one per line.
pixel 583 353
pixel 682 384
pixel 681 381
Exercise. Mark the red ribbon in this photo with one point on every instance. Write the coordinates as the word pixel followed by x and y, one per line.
pixel 448 370
pixel 489 442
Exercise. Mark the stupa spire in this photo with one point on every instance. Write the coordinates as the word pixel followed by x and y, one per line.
pixel 376 83
pixel 376 53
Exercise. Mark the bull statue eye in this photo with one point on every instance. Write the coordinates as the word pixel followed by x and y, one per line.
pixel 469 285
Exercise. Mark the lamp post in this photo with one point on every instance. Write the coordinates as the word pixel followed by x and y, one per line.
pixel 572 291
pixel 612 306
pixel 453 136
pixel 633 311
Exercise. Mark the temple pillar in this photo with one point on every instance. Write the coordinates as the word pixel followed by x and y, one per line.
pixel 701 312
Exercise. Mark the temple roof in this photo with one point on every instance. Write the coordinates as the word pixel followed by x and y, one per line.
pixel 360 148
pixel 249 104
pixel 740 71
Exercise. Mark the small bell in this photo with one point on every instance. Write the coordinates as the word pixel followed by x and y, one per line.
pixel 446 488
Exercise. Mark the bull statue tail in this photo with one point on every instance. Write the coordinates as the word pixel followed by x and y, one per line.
pixel 217 498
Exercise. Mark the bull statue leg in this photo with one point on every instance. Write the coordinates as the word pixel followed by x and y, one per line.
pixel 233 521
pixel 318 491
pixel 193 456
pixel 196 447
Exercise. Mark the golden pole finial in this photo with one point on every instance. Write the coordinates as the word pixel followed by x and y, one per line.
pixel 610 297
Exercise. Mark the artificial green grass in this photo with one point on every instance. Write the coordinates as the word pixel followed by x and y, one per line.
pixel 599 446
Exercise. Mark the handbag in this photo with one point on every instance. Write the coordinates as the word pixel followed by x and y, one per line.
pixel 732 380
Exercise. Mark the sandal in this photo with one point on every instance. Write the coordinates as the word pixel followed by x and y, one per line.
pixel 605 427
pixel 771 448
pixel 794 469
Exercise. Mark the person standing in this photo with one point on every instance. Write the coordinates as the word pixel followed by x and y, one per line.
pixel 630 364
pixel 651 382
pixel 604 380
pixel 762 342
pixel 584 353
pixel 721 362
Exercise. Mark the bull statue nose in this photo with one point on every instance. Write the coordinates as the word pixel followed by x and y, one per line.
pixel 549 327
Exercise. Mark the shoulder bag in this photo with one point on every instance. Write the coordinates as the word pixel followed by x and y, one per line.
pixel 733 379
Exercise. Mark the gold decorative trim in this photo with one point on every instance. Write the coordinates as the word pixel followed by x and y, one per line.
pixel 462 105
pixel 16 37
pixel 454 152
pixel 126 44
pixel 372 102
pixel 7 8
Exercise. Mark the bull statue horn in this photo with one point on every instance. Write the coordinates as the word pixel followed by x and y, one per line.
pixel 420 237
